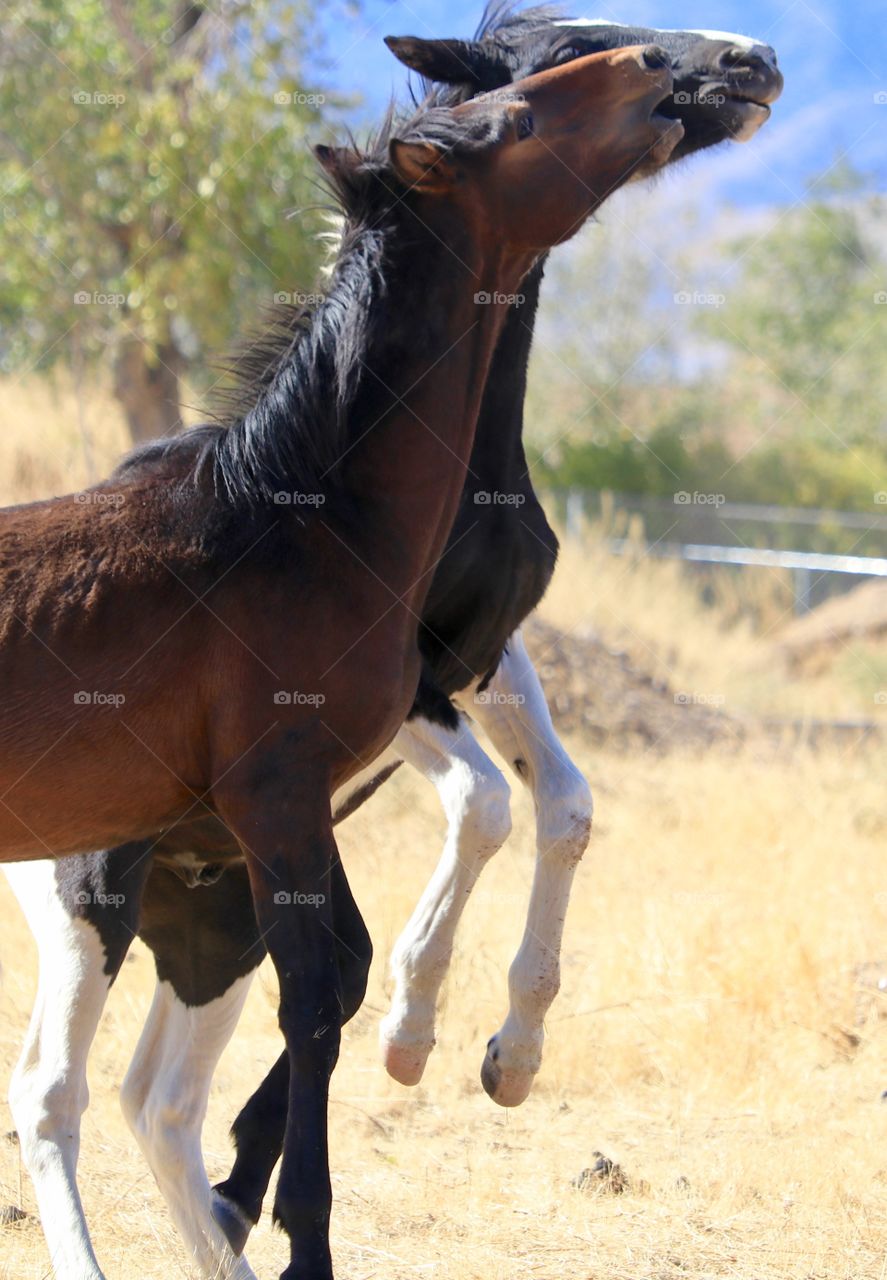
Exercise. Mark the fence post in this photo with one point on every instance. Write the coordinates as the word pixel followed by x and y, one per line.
pixel 575 512
pixel 803 581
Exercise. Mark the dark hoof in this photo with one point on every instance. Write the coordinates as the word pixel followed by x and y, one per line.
pixel 490 1075
pixel 507 1087
pixel 234 1223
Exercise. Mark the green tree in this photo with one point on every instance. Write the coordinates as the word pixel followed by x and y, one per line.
pixel 810 314
pixel 772 389
pixel 601 332
pixel 149 154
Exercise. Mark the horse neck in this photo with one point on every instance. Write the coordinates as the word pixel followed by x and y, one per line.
pixel 429 368
pixel 498 460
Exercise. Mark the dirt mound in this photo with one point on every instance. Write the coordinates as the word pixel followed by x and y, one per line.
pixel 597 691
pixel 860 614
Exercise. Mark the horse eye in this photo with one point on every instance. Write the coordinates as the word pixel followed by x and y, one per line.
pixel 525 126
pixel 568 54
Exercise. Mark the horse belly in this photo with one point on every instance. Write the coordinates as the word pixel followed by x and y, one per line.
pixel 82 788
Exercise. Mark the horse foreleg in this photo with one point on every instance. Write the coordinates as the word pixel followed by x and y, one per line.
pixel 475 798
pixel 259 1129
pixel 513 711
pixel 277 805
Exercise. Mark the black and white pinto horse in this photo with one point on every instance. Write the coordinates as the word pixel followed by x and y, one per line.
pixel 85 911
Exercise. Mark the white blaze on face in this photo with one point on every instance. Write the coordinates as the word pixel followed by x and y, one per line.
pixel 742 42
pixel 729 37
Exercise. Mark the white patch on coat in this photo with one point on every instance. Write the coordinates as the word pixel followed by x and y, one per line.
pixel 165 1091
pixel 48 1092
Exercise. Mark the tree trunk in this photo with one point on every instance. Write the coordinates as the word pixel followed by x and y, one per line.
pixel 147 385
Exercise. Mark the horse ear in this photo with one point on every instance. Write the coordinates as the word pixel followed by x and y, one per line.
pixel 338 163
pixel 450 61
pixel 329 158
pixel 420 166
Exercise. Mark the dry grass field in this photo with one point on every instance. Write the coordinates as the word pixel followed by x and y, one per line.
pixel 718 1033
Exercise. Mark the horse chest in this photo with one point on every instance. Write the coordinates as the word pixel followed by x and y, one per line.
pixel 484 589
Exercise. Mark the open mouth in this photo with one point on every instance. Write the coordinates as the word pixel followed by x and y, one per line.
pixel 669 131
pixel 665 114
pixel 737 109
pixel 665 123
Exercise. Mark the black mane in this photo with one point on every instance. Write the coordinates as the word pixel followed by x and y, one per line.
pixel 519 41
pixel 284 422
pixel 504 20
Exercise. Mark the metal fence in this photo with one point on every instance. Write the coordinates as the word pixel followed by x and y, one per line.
pixel 821 549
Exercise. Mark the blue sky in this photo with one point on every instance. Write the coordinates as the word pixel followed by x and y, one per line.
pixel 833 54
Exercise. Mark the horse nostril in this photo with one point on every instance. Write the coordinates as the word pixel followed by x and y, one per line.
pixel 756 60
pixel 654 57
pixel 733 57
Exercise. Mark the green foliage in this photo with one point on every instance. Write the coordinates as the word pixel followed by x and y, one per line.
pixel 807 315
pixel 146 171
pixel 803 474
pixel 776 394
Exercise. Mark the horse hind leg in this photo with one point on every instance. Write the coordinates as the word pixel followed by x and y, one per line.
pixel 475 798
pixel 164 1098
pixel 515 715
pixel 205 949
pixel 48 1093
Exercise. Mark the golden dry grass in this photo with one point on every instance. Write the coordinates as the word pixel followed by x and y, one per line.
pixel 710 1034
pixel 706 1037
pixel 57 436
pixel 54 440
pixel 728 649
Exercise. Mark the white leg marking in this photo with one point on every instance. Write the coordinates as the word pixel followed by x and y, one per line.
pixel 475 797
pixel 514 713
pixel 48 1093
pixel 164 1098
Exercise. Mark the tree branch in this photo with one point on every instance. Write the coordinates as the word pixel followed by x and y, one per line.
pixel 138 51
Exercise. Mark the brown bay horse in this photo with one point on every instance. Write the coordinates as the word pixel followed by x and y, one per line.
pixel 149 625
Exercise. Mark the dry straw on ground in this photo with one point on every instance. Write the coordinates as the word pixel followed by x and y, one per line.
pixel 709 1037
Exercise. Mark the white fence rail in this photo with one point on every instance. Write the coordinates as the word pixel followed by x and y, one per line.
pixel 699 532
pixel 803 564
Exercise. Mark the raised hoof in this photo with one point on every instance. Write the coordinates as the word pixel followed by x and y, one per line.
pixel 405 1063
pixel 232 1221
pixel 507 1087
